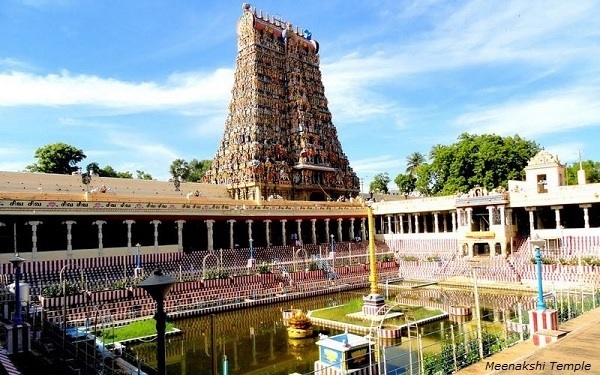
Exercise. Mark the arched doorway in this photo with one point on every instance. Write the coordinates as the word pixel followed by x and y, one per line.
pixel 481 248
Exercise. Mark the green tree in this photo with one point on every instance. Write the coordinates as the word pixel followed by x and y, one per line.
pixel 59 158
pixel 424 178
pixel 413 162
pixel 406 183
pixel 192 171
pixel 180 169
pixel 379 183
pixel 124 175
pixel 106 171
pixel 143 175
pixel 486 160
pixel 93 168
pixel 198 169
pixel 591 168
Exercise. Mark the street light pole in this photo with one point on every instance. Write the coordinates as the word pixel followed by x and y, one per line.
pixel 477 308
pixel 474 267
pixel 251 249
pixel 17 261
pixel 332 243
pixel 96 335
pixel 158 285
pixel 64 289
pixel 541 305
pixel 137 255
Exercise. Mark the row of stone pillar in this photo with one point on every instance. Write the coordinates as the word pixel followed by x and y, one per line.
pixel 395 223
pixel 249 222
pixel 557 218
pixel 497 215
pixel 417 222
pixel 209 228
pixel 34 224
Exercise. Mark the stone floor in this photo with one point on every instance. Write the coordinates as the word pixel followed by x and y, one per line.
pixel 579 346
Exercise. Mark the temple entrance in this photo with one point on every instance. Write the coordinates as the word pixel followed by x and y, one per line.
pixel 481 248
pixel 480 220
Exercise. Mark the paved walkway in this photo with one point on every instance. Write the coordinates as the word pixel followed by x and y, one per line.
pixel 581 346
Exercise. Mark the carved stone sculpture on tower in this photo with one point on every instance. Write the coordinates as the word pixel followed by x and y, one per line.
pixel 279 138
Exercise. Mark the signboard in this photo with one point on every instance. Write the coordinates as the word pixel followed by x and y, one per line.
pixel 358 358
pixel 331 357
pixel 481 235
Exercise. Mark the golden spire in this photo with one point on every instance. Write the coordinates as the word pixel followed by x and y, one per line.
pixel 372 260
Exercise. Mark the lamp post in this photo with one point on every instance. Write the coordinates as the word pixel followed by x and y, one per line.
pixel 541 305
pixel 332 243
pixel 158 285
pixel 537 244
pixel 478 309
pixel 474 267
pixel 251 249
pixel 17 261
pixel 97 308
pixel 64 290
pixel 64 309
pixel 137 255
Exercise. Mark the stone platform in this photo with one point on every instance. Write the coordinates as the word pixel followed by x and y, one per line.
pixel 579 346
pixel 378 318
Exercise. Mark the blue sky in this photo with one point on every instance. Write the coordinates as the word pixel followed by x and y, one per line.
pixel 138 84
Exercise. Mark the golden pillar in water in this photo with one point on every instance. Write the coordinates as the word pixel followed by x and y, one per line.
pixel 373 303
pixel 372 260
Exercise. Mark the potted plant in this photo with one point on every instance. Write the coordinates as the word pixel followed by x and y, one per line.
pixel 263 268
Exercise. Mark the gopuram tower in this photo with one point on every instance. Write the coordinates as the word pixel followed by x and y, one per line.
pixel 279 140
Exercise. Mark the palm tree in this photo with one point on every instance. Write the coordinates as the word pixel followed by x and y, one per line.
pixel 413 162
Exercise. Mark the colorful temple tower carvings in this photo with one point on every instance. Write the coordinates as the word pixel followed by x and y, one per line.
pixel 279 140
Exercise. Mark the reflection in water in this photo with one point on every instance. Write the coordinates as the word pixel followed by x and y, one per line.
pixel 255 340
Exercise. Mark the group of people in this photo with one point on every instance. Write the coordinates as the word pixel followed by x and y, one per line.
pixel 195 193
pixel 102 189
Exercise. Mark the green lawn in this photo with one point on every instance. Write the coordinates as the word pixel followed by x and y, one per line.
pixel 140 328
pixel 339 313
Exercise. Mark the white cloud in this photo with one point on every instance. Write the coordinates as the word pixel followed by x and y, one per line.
pixel 13 165
pixel 371 166
pixel 211 126
pixel 538 39
pixel 491 32
pixel 549 112
pixel 479 33
pixel 42 4
pixel 567 152
pixel 8 63
pixel 9 151
pixel 18 89
pixel 140 148
pixel 13 158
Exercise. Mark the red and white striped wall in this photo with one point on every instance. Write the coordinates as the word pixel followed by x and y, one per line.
pixel 543 319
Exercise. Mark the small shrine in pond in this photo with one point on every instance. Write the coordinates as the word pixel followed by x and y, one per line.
pixel 345 354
